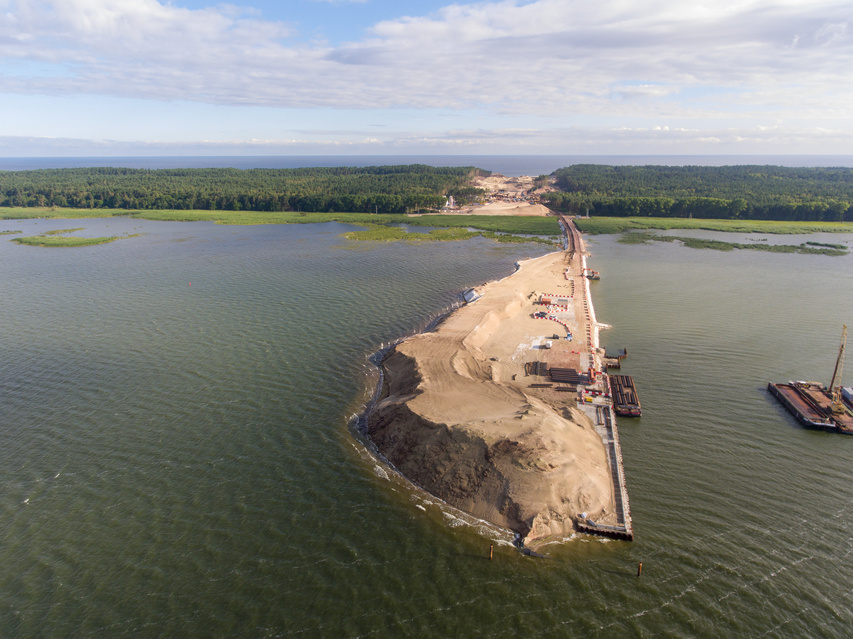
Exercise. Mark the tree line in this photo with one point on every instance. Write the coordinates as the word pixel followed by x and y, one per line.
pixel 377 189
pixel 729 192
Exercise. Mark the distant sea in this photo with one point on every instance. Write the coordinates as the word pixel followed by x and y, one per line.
pixel 511 165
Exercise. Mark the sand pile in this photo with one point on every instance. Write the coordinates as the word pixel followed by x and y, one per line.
pixel 460 418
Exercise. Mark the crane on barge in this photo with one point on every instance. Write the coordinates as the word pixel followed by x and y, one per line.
pixel 835 387
pixel 818 406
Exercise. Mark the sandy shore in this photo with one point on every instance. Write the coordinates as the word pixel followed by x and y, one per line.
pixel 462 416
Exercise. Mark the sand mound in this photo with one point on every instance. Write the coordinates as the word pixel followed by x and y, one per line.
pixel 459 418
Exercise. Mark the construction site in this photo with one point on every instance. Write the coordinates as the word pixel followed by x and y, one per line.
pixel 571 361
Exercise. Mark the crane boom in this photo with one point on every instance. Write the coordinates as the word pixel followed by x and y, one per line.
pixel 835 384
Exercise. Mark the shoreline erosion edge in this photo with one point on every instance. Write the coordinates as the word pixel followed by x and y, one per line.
pixel 465 409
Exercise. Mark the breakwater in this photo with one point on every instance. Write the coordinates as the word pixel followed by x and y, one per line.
pixel 600 409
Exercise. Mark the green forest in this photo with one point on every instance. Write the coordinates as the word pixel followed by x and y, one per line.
pixel 377 189
pixel 710 192
pixel 704 192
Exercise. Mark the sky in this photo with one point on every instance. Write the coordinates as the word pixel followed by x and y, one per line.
pixel 386 77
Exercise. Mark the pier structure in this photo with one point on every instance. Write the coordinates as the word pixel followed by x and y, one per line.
pixel 594 395
pixel 605 424
pixel 577 258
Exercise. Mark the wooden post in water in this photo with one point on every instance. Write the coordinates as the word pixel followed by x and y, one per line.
pixel 491 551
pixel 639 568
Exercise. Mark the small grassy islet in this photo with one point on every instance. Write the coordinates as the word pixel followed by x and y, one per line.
pixel 53 239
pixel 643 237
pixel 63 231
pixel 608 225
pixel 841 247
pixel 382 233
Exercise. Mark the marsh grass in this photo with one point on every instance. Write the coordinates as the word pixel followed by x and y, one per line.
pixel 495 223
pixel 62 231
pixel 65 241
pixel 517 225
pixel 643 237
pixel 547 226
pixel 606 225
pixel 824 244
pixel 382 233
pixel 54 213
pixel 10 232
pixel 506 238
pixel 62 241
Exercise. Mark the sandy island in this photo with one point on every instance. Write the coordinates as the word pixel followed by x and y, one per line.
pixel 463 414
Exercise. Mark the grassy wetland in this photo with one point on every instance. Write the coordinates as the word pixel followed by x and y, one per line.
pixel 380 227
pixel 61 238
pixel 53 241
pixel 388 227
pixel 640 231
pixel 606 225
pixel 387 233
pixel 807 248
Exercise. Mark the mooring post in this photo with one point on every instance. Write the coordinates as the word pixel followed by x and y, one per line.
pixel 491 551
pixel 639 568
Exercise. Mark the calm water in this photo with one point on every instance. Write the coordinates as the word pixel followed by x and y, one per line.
pixel 513 165
pixel 177 459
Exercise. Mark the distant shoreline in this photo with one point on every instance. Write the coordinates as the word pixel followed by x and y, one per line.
pixel 510 165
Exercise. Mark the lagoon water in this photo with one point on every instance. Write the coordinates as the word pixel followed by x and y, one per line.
pixel 178 459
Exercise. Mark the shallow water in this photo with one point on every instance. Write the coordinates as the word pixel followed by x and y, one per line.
pixel 177 458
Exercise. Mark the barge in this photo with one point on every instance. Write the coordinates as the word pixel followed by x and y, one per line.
pixel 811 403
pixel 816 406
pixel 626 402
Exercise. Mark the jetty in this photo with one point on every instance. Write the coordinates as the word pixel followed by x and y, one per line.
pixel 623 529
pixel 597 399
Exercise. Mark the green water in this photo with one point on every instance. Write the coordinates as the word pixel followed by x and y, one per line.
pixel 178 459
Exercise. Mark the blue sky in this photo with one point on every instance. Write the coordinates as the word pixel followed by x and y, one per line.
pixel 257 77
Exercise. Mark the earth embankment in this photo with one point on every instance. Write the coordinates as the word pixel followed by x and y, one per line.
pixel 461 417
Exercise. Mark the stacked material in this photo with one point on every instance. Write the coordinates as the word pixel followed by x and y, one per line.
pixel 625 399
pixel 565 375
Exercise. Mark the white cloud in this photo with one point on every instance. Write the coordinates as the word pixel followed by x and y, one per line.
pixel 643 91
pixel 550 58
pixel 831 32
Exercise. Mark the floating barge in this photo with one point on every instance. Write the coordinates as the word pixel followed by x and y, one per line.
pixel 816 406
pixel 811 404
pixel 626 402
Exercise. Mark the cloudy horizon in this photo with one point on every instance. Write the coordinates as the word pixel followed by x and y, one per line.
pixel 151 77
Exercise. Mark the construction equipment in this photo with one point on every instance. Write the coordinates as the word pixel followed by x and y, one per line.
pixel 835 384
